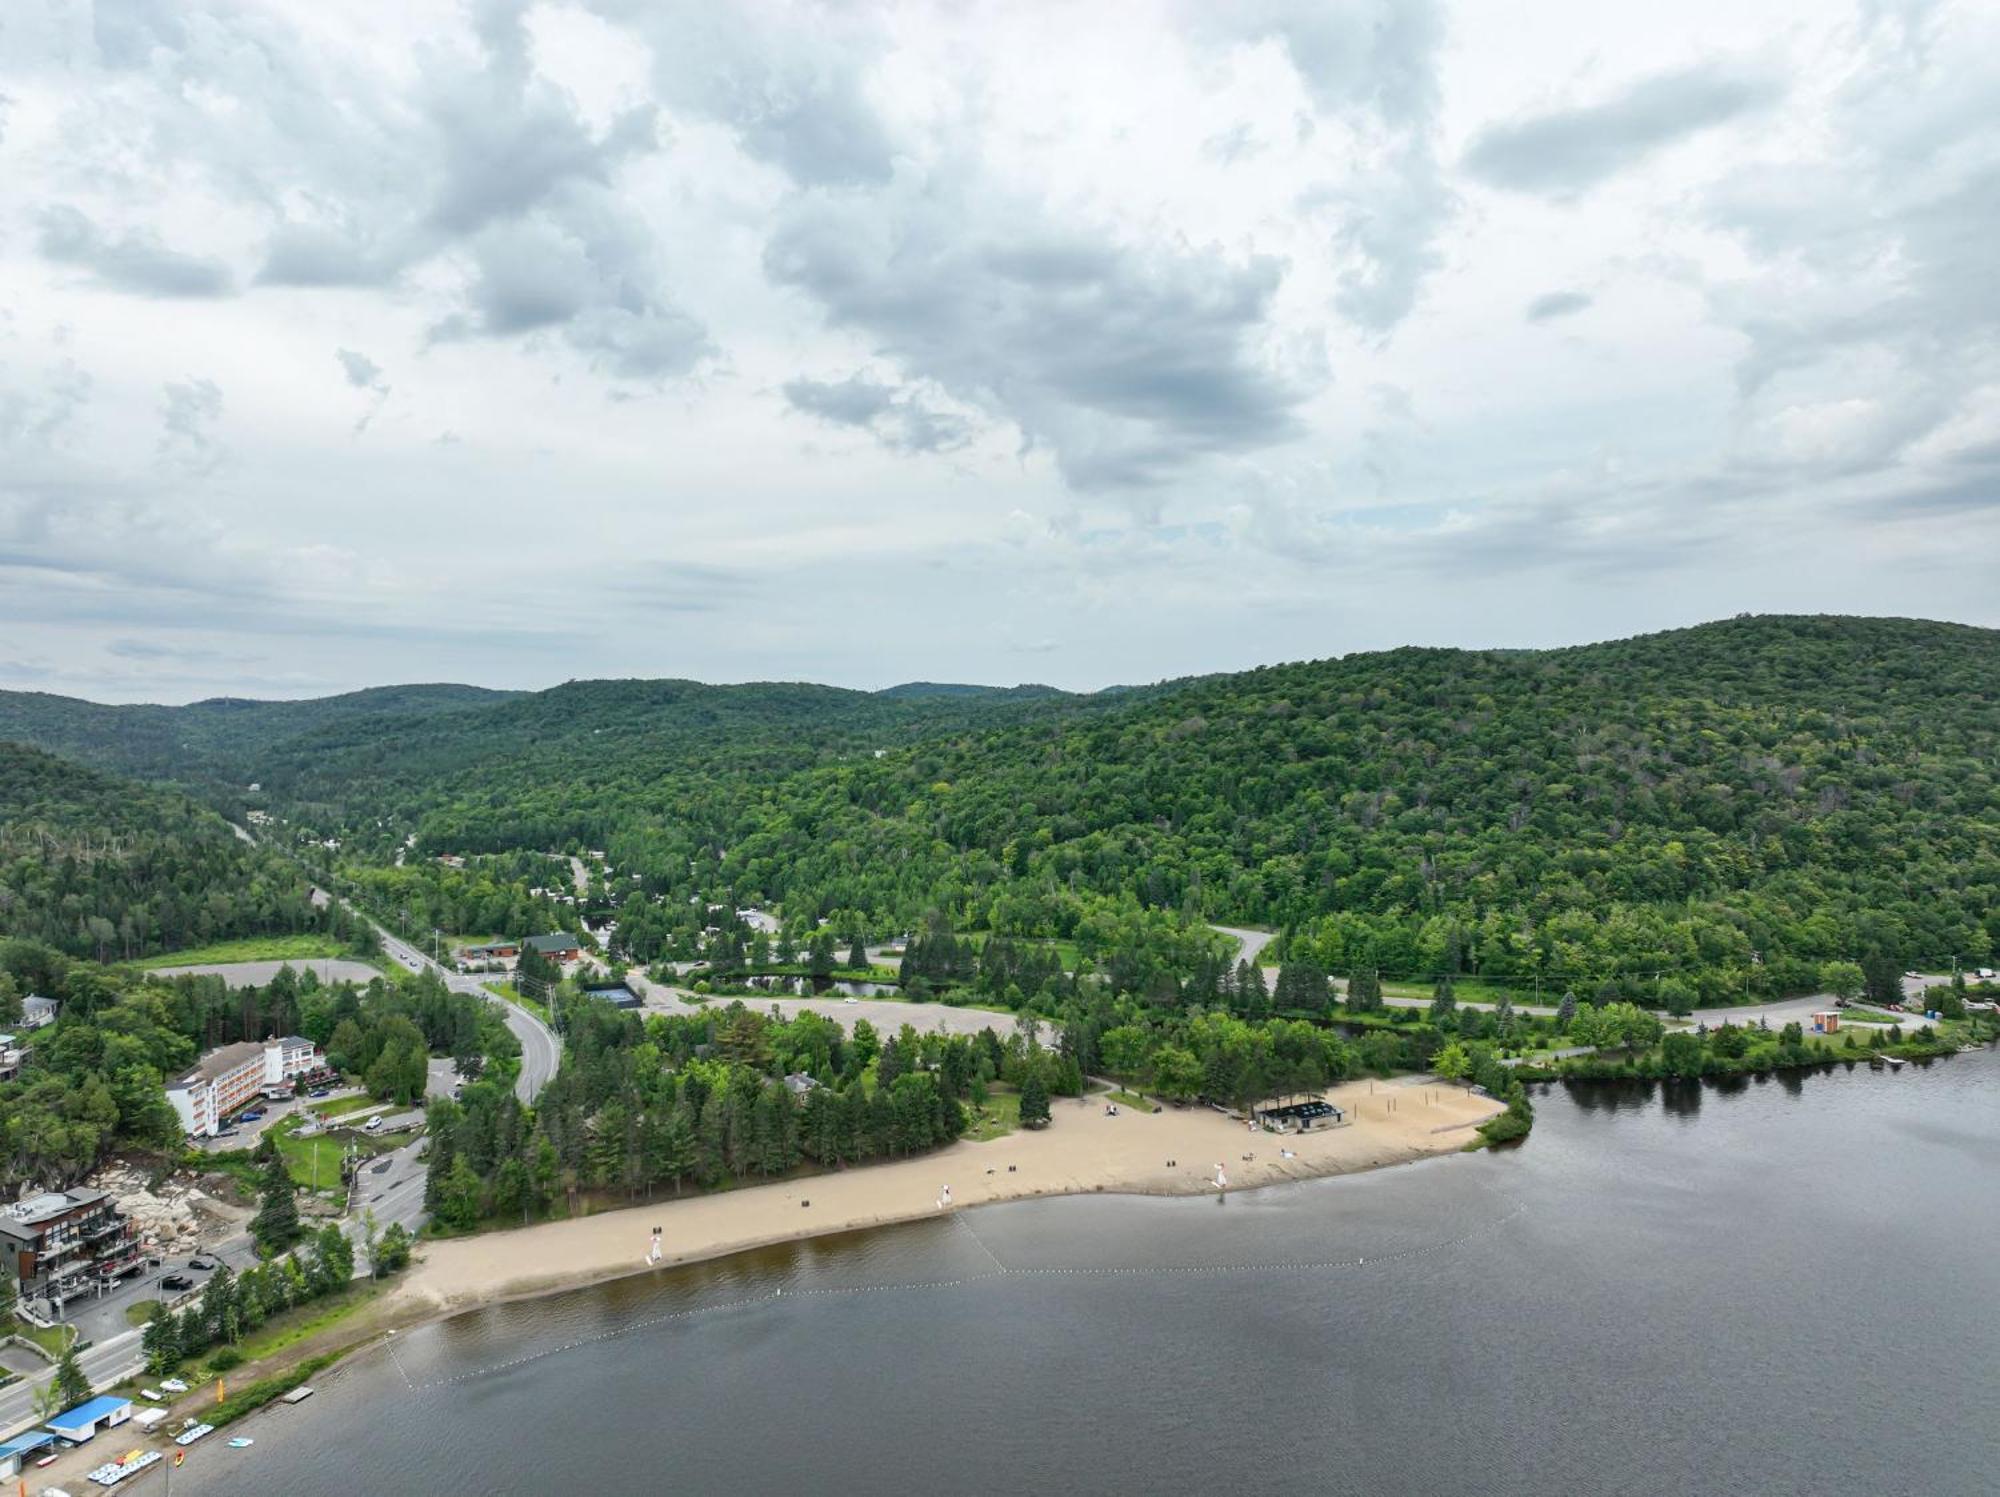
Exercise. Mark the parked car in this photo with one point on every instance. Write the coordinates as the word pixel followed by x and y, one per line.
pixel 373 1123
pixel 251 1117
pixel 227 1132
pixel 177 1281
pixel 318 1091
pixel 378 1168
pixel 201 1265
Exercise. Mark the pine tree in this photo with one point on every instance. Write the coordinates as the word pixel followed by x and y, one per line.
pixel 1034 1100
pixel 70 1385
pixel 1444 1002
pixel 857 956
pixel 276 1225
pixel 162 1348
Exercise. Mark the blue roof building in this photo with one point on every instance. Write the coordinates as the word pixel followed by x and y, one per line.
pixel 80 1423
pixel 21 1446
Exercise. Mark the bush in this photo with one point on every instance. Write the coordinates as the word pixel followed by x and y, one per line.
pixel 225 1358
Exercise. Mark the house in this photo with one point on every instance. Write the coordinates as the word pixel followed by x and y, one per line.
pixel 86 1419
pixel 62 1244
pixel 37 1011
pixel 558 946
pixel 227 1080
pixel 496 951
pixel 799 1083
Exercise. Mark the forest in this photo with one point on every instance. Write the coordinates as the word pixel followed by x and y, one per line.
pixel 1725 807
pixel 112 870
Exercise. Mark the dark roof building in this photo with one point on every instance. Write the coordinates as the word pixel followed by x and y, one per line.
pixel 66 1243
pixel 560 943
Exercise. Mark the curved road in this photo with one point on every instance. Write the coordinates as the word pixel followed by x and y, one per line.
pixel 541 1051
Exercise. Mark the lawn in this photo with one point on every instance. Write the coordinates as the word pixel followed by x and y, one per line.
pixel 315 1162
pixel 299 948
pixel 340 1107
pixel 51 1339
pixel 514 995
pixel 1001 1115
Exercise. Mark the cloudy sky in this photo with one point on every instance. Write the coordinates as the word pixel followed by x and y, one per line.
pixel 503 342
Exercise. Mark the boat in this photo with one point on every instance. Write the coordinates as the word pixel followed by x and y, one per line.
pixel 241 1442
pixel 1895 1062
pixel 195 1432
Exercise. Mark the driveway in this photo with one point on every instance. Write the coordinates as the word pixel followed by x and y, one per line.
pixel 329 969
pixel 886 1015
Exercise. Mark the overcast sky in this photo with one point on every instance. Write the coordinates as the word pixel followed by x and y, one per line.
pixel 352 343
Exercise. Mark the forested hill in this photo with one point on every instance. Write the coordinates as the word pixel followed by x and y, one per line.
pixel 108 869
pixel 210 740
pixel 1738 801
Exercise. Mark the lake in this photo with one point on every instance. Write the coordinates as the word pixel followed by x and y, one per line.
pixel 1776 1286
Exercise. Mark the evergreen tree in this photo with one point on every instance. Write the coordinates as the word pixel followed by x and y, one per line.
pixel 1034 1100
pixel 1566 1010
pixel 1444 1002
pixel 276 1225
pixel 69 1384
pixel 857 956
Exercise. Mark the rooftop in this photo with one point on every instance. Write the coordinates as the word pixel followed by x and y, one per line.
pixel 221 1062
pixel 48 1205
pixel 558 941
pixel 88 1413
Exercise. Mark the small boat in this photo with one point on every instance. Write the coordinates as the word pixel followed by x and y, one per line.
pixel 241 1442
pixel 298 1395
pixel 189 1436
pixel 1895 1062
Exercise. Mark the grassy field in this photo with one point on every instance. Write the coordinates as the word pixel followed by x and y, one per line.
pixel 51 1339
pixel 1001 1115
pixel 1132 1100
pixel 513 994
pixel 340 1107
pixel 300 948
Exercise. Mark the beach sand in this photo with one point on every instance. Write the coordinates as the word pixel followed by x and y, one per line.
pixel 1083 1151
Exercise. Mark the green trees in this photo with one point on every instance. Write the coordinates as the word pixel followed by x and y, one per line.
pixel 1034 1101
pixel 70 1385
pixel 159 1342
pixel 276 1224
pixel 1444 1002
pixel 1452 1062
pixel 1364 992
pixel 1844 980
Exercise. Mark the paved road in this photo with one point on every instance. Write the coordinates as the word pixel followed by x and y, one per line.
pixel 104 1363
pixel 541 1051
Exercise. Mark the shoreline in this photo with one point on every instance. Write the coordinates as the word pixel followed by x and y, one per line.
pixel 1084 1151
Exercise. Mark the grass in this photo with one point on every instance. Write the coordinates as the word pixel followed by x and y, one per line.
pixel 340 1107
pixel 1132 1100
pixel 294 1326
pixel 139 1311
pixel 299 948
pixel 1001 1115
pixel 51 1339
pixel 1873 1016
pixel 512 994
pixel 319 1168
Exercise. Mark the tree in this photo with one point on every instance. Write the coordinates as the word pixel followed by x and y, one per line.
pixel 1444 1002
pixel 1034 1100
pixel 69 1381
pixel 1681 1054
pixel 1452 1062
pixel 1566 1010
pixel 857 956
pixel 162 1348
pixel 392 1253
pixel 276 1225
pixel 1844 980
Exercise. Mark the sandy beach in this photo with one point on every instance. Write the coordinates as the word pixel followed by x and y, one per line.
pixel 1084 1150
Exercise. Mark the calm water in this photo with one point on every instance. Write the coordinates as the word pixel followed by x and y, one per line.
pixel 1784 1287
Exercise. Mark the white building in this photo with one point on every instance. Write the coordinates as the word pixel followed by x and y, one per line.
pixel 37 1011
pixel 227 1080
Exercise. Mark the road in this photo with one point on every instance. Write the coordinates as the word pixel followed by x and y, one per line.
pixel 541 1051
pixel 259 974
pixel 104 1363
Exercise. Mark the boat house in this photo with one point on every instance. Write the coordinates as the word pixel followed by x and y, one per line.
pixel 86 1419
pixel 18 1449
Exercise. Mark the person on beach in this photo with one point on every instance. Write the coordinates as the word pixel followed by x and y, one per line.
pixel 655 1253
pixel 944 1199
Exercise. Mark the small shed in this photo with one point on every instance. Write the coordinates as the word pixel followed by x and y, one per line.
pixel 1300 1117
pixel 86 1419
pixel 1826 1021
pixel 14 1454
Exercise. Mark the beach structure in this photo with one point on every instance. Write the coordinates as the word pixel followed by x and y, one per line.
pixel 1299 1116
pixel 1826 1021
pixel 64 1244
pixel 76 1425
pixel 227 1080
pixel 16 1452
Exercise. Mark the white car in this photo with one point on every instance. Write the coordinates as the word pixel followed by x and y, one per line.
pixel 850 998
pixel 373 1124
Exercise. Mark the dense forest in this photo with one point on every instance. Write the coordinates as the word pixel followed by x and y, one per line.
pixel 1727 807
pixel 112 870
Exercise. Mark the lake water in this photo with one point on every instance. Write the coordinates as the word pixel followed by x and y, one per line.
pixel 1782 1286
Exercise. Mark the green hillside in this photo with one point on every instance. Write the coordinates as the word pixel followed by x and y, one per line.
pixel 104 868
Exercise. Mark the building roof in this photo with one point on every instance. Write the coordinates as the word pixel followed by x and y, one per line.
pixel 34 1439
pixel 221 1062
pixel 559 941
pixel 88 1413
pixel 292 1041
pixel 47 1206
pixel 36 1003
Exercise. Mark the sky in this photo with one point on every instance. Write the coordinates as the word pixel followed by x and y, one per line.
pixel 515 343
